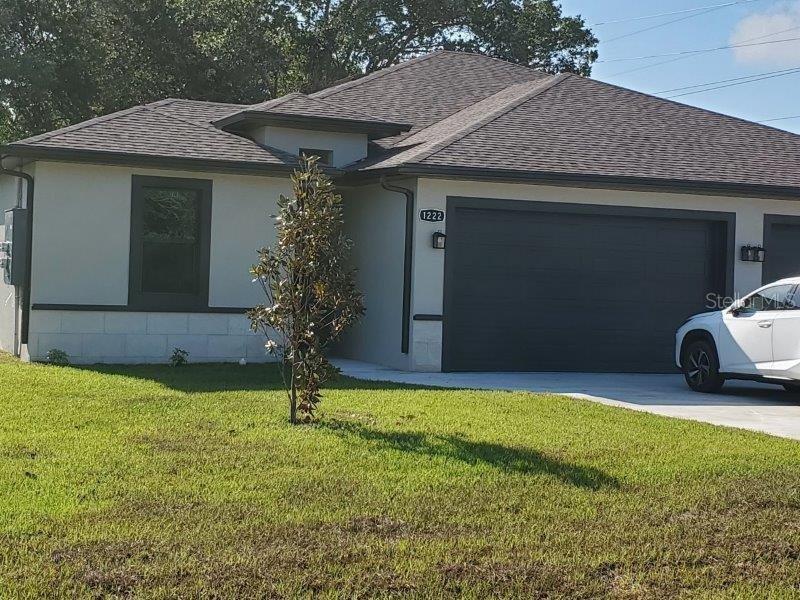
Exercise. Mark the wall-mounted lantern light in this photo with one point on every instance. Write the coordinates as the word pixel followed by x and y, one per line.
pixel 752 253
pixel 439 240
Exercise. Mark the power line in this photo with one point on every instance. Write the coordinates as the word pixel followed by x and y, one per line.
pixel 672 60
pixel 669 14
pixel 699 85
pixel 779 119
pixel 684 18
pixel 719 87
pixel 663 62
pixel 701 51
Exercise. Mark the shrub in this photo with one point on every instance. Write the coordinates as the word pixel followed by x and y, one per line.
pixel 57 357
pixel 179 358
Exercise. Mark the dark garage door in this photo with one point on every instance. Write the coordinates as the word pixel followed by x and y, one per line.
pixel 782 244
pixel 603 289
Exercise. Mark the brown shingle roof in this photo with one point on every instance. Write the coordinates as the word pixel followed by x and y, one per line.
pixel 586 127
pixel 475 115
pixel 428 89
pixel 306 106
pixel 426 142
pixel 301 110
pixel 175 129
pixel 197 110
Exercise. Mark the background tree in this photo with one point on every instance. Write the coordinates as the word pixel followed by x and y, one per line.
pixel 64 61
pixel 310 291
pixel 350 37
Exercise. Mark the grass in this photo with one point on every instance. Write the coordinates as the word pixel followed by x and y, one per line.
pixel 157 482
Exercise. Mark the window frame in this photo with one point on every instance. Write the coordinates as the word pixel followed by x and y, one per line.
pixel 168 301
pixel 789 297
pixel 318 152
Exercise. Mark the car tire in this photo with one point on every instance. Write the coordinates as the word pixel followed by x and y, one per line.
pixel 792 388
pixel 700 367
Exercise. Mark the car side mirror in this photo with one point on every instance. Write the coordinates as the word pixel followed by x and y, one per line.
pixel 738 311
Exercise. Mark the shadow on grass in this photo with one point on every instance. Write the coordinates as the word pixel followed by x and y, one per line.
pixel 199 378
pixel 455 447
pixel 223 377
pixel 227 377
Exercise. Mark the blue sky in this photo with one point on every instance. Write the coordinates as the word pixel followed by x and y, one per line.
pixel 759 20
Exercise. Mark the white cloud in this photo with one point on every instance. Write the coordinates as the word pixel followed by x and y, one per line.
pixel 758 26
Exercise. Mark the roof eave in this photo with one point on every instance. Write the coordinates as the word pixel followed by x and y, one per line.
pixel 151 160
pixel 649 184
pixel 373 129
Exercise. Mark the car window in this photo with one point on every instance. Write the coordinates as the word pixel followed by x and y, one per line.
pixel 794 299
pixel 777 297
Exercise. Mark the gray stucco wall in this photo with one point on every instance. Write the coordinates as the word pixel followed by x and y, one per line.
pixel 80 256
pixel 375 220
pixel 8 199
pixel 347 148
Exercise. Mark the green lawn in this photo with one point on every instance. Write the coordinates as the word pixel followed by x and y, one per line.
pixel 159 482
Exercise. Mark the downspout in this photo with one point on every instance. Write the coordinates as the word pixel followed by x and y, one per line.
pixel 26 294
pixel 407 259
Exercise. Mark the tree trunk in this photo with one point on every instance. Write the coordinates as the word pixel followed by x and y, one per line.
pixel 293 399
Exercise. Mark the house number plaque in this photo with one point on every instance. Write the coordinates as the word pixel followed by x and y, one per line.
pixel 431 215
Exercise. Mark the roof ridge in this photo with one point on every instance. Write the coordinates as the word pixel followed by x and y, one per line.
pixel 690 106
pixel 324 93
pixel 82 125
pixel 497 59
pixel 279 101
pixel 173 100
pixel 420 135
pixel 393 68
pixel 538 88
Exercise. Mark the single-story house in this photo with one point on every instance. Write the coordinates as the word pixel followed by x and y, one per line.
pixel 504 219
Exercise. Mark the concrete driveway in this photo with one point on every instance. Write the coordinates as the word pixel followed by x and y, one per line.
pixel 742 404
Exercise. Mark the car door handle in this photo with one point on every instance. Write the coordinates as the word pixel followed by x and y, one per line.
pixel 765 324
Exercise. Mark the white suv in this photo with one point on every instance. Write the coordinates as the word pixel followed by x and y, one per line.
pixel 757 338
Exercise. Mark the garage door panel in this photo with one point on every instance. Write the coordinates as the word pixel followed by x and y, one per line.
pixel 529 290
pixel 607 335
pixel 782 243
pixel 546 231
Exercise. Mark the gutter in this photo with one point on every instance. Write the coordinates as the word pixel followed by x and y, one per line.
pixel 610 182
pixel 359 177
pixel 26 293
pixel 155 161
pixel 408 257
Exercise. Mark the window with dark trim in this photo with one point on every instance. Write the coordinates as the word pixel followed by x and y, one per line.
pixel 325 156
pixel 170 243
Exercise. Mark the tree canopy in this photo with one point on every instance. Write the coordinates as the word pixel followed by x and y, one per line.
pixel 64 61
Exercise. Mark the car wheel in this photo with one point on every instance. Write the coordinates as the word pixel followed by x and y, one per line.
pixel 793 388
pixel 701 367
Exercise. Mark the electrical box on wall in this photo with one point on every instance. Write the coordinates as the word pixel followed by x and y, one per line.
pixel 13 250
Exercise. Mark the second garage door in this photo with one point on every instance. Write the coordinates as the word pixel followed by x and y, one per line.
pixel 533 286
pixel 782 242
